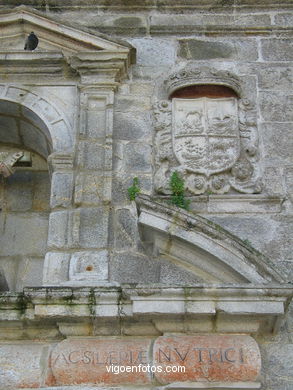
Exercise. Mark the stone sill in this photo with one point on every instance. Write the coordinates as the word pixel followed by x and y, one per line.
pixel 224 309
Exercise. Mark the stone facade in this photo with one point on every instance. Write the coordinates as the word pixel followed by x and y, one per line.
pixel 118 90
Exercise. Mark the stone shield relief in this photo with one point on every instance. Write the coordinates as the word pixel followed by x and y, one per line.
pixel 212 143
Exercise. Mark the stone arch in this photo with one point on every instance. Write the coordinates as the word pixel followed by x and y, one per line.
pixel 200 246
pixel 48 116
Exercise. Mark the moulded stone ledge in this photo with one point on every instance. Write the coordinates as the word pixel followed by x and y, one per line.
pixel 242 309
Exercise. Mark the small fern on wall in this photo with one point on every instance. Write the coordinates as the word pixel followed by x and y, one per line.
pixel 178 194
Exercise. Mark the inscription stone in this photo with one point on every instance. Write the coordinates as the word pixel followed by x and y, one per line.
pixel 86 361
pixel 208 357
pixel 213 358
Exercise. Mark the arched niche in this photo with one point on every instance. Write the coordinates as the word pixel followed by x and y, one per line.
pixel 24 196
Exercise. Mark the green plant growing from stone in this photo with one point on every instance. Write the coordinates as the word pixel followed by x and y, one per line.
pixel 178 194
pixel 134 190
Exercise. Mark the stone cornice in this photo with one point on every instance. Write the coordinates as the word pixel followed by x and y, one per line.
pixel 225 309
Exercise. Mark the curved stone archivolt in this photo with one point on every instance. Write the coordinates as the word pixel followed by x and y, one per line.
pixel 42 114
pixel 200 246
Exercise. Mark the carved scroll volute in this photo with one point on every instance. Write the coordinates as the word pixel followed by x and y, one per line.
pixel 7 162
pixel 211 142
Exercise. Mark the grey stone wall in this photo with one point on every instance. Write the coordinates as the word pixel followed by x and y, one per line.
pixel 24 200
pixel 252 39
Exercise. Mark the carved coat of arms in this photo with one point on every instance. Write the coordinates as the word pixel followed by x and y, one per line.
pixel 205 134
pixel 211 142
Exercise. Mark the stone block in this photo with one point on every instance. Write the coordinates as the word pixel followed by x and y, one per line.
pixel 276 107
pixel 205 21
pixel 129 267
pixel 288 174
pixel 21 365
pixel 125 229
pixel 149 73
pixel 277 49
pixel 122 183
pixel 24 234
pixel 198 49
pixel 8 268
pixel 86 361
pixel 29 273
pixel 216 357
pixel 58 229
pixel 41 191
pixel 56 268
pixel 141 89
pixel 129 127
pixel 91 155
pixel 19 191
pixel 61 189
pixel 273 181
pixel 278 365
pixel 9 130
pixel 154 51
pixel 172 274
pixel 93 229
pixel 204 50
pixel 284 19
pixel 137 158
pixel 89 266
pixel 277 143
pixel 34 139
pixel 126 103
pixel 95 124
pixel 275 77
pixel 91 189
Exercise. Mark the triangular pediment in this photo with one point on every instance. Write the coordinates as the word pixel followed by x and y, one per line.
pixel 199 246
pixel 16 24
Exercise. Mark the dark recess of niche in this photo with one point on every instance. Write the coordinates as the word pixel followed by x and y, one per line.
pixel 197 91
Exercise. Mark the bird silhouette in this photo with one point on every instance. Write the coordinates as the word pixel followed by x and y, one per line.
pixel 31 42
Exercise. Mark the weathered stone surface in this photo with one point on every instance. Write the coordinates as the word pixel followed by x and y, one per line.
pixel 178 24
pixel 30 230
pixel 275 77
pixel 277 49
pixel 21 365
pixel 276 107
pixel 127 267
pixel 9 130
pixel 284 19
pixel 154 51
pixel 126 127
pixel 62 187
pixel 86 361
pixel 89 266
pixel 125 103
pixel 213 49
pixel 125 227
pixel 213 358
pixel 56 268
pixel 278 143
pixel 277 365
pixel 91 155
pixel 93 228
pixel 91 189
pixel 137 157
pixel 30 272
pixel 289 182
pixel 204 50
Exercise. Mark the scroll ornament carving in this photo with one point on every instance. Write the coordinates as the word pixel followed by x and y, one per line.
pixel 212 143
pixel 7 162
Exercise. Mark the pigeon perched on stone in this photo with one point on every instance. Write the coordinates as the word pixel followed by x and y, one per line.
pixel 31 42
